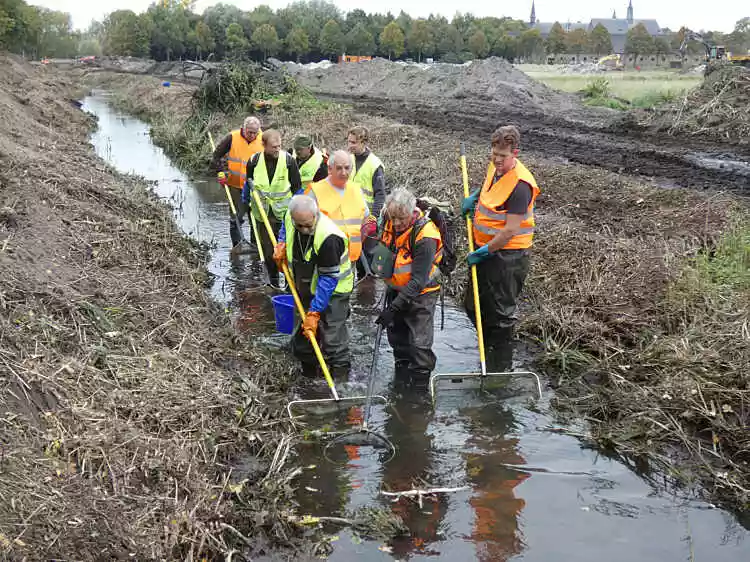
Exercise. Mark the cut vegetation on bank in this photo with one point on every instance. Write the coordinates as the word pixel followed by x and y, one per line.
pixel 125 396
pixel 638 294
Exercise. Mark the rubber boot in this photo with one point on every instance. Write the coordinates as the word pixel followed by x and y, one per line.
pixel 500 350
pixel 420 381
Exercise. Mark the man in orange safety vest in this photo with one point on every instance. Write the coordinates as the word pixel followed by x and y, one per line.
pixel 503 213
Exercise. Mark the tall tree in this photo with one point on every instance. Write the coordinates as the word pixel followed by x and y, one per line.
pixel 205 38
pixel 126 34
pixel 478 44
pixel 531 44
pixel 556 40
pixel 266 39
pixel 392 40
pixel 639 42
pixel 419 38
pixel 332 39
pixel 577 42
pixel 601 40
pixel 170 28
pixel 450 42
pixel 359 41
pixel 298 43
pixel 236 42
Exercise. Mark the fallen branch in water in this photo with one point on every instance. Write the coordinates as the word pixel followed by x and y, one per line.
pixel 419 493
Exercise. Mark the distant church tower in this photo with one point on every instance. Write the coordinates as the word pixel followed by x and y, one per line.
pixel 532 19
pixel 630 13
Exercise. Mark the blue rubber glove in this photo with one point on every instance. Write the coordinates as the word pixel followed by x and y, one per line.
pixel 323 292
pixel 478 255
pixel 469 203
pixel 247 192
pixel 282 232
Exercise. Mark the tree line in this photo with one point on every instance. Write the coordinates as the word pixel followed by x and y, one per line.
pixel 312 30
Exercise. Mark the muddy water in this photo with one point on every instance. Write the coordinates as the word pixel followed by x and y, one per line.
pixel 527 488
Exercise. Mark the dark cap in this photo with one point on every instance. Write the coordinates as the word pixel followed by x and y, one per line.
pixel 303 141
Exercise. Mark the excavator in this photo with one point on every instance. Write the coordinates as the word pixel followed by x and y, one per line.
pixel 713 52
pixel 610 62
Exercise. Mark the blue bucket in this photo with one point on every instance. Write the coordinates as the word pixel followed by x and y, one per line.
pixel 283 312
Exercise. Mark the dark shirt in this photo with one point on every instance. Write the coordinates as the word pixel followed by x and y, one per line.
pixel 222 149
pixel 291 164
pixel 330 250
pixel 518 201
pixel 378 182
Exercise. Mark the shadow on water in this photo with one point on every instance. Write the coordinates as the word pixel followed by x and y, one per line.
pixel 525 492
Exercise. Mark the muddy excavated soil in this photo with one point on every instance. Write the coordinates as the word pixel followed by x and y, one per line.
pixel 124 393
pixel 469 101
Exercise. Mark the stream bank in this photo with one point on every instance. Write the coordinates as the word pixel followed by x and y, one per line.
pixel 125 397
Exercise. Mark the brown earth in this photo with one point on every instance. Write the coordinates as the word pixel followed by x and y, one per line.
pixel 468 102
pixel 125 397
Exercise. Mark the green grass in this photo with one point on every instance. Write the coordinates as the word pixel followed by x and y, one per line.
pixel 629 84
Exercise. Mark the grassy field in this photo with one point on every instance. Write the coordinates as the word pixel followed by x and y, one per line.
pixel 635 86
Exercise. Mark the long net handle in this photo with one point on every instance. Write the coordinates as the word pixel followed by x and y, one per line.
pixel 297 301
pixel 474 282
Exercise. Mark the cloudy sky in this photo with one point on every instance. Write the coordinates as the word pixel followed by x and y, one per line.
pixel 696 14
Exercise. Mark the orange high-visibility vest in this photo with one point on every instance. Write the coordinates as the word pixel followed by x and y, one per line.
pixel 489 218
pixel 347 210
pixel 402 267
pixel 239 153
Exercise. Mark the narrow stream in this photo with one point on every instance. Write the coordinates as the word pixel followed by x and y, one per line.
pixel 530 491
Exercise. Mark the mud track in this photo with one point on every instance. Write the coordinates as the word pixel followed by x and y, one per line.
pixel 574 138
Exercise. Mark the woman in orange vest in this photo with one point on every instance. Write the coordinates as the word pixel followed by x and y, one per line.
pixel 415 244
pixel 238 147
pixel 503 211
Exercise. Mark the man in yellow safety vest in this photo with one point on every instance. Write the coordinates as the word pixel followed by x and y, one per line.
pixel 503 211
pixel 311 161
pixel 367 172
pixel 317 253
pixel 274 175
pixel 238 147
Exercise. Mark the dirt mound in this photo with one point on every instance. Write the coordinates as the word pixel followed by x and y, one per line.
pixel 122 389
pixel 718 108
pixel 493 80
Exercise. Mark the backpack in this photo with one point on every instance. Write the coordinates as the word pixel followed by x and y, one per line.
pixel 446 224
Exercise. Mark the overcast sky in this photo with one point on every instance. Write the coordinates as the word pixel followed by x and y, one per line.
pixel 717 15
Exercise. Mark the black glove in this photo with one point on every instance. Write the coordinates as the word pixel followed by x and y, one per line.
pixel 386 317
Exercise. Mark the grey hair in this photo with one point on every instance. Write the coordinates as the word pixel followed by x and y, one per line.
pixel 303 204
pixel 342 153
pixel 251 120
pixel 401 202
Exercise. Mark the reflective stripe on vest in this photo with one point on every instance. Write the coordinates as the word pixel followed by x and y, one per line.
pixel 489 221
pixel 403 264
pixel 277 193
pixel 239 153
pixel 363 177
pixel 346 209
pixel 308 170
pixel 324 228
